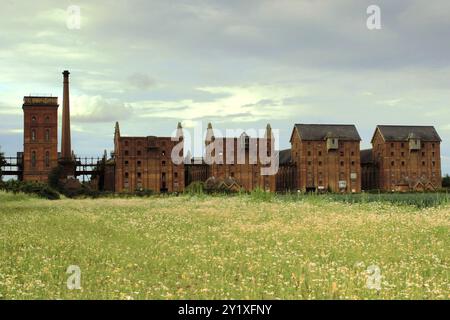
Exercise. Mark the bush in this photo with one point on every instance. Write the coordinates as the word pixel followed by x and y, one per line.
pixel 54 177
pixel 446 181
pixel 195 188
pixel 40 189
pixel 143 193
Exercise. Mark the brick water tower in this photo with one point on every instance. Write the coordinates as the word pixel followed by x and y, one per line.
pixel 40 137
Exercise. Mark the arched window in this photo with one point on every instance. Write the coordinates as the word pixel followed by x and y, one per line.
pixel 33 158
pixel 33 119
pixel 47 135
pixel 33 135
pixel 47 159
pixel 47 119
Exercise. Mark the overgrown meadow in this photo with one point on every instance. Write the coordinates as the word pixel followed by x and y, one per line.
pixel 219 247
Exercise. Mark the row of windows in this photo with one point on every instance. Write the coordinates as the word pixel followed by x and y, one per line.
pixel 35 118
pixel 342 163
pixel 342 153
pixel 46 136
pixel 403 154
pixel 46 159
pixel 139 163
pixel 403 163
pixel 414 174
pixel 342 176
pixel 139 175
pixel 139 143
pixel 139 153
pixel 403 145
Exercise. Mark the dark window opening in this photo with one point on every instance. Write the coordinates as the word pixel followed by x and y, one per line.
pixel 33 158
pixel 47 159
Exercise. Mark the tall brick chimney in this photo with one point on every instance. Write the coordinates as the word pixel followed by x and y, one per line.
pixel 66 148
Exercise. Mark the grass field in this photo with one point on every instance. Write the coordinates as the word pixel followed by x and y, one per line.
pixel 222 248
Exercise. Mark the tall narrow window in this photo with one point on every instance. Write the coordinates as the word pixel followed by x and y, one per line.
pixel 47 135
pixel 33 135
pixel 33 158
pixel 47 159
pixel 33 119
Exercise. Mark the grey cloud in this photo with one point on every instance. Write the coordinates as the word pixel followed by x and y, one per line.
pixel 141 81
pixel 101 110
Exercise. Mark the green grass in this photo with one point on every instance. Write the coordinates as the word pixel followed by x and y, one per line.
pixel 420 200
pixel 204 247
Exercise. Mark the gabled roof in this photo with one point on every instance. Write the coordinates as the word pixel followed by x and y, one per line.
pixel 403 133
pixel 315 132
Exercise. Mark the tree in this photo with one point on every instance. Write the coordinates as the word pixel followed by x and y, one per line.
pixel 2 162
pixel 446 181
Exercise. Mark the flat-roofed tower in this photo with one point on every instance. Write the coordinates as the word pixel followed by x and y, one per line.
pixel 40 137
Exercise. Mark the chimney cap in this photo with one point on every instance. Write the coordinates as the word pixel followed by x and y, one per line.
pixel 66 72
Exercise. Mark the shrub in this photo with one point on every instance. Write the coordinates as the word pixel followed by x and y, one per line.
pixel 446 181
pixel 2 163
pixel 54 177
pixel 195 188
pixel 40 189
pixel 143 193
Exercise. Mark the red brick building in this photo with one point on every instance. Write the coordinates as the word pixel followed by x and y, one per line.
pixel 407 158
pixel 240 159
pixel 40 137
pixel 145 163
pixel 327 157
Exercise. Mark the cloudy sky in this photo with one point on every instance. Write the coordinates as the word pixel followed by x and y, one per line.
pixel 236 63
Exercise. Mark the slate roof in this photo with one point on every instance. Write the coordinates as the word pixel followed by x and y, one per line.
pixel 401 133
pixel 315 132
